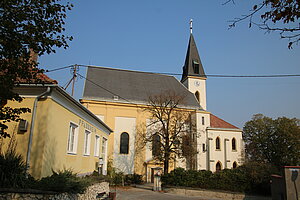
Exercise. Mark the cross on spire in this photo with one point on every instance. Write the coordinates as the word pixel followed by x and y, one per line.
pixel 191 26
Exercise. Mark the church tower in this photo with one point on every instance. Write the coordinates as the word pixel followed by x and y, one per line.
pixel 193 76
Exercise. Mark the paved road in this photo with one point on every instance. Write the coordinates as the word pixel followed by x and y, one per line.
pixel 143 194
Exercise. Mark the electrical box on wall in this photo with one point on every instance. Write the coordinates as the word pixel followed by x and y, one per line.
pixel 23 125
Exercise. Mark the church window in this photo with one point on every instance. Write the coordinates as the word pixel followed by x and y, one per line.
pixel 202 120
pixel 197 96
pixel 234 165
pixel 155 145
pixel 218 166
pixel 196 67
pixel 233 144
pixel 218 147
pixel 124 143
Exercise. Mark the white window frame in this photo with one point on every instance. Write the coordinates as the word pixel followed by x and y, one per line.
pixel 87 143
pixel 97 146
pixel 72 150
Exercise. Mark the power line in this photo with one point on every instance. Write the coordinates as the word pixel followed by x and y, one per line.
pixel 207 75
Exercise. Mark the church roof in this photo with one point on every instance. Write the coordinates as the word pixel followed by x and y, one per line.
pixel 192 65
pixel 116 85
pixel 216 122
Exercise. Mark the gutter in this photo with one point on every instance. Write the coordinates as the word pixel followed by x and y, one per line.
pixel 32 126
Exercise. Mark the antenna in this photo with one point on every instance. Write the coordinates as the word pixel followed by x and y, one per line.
pixel 191 26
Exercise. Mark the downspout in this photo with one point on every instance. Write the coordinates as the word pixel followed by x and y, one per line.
pixel 225 152
pixel 32 126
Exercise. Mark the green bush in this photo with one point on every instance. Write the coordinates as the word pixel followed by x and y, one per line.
pixel 249 178
pixel 12 170
pixel 63 181
pixel 133 179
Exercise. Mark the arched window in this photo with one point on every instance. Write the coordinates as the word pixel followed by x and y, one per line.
pixel 234 165
pixel 155 145
pixel 197 94
pixel 124 143
pixel 218 166
pixel 233 144
pixel 218 147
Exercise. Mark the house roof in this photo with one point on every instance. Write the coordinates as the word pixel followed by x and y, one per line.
pixel 216 122
pixel 105 84
pixel 192 59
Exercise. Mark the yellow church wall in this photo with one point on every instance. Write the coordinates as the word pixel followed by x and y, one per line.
pixel 111 110
pixel 50 138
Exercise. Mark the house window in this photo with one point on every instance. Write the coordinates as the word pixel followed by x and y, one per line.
pixel 155 145
pixel 124 143
pixel 233 144
pixel 87 143
pixel 203 121
pixel 97 145
pixel 218 147
pixel 234 165
pixel 72 140
pixel 197 96
pixel 104 146
pixel 218 166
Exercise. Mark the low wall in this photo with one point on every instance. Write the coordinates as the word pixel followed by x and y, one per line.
pixel 212 194
pixel 90 194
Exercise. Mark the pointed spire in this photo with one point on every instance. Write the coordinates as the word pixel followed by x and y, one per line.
pixel 192 65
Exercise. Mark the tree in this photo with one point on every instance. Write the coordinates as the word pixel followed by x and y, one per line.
pixel 280 16
pixel 170 132
pixel 28 29
pixel 276 142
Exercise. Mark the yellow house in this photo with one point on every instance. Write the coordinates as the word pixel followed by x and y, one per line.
pixel 59 133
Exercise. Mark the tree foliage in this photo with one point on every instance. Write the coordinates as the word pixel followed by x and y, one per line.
pixel 274 141
pixel 172 126
pixel 28 28
pixel 275 16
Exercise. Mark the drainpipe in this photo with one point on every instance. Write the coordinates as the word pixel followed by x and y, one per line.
pixel 225 152
pixel 32 126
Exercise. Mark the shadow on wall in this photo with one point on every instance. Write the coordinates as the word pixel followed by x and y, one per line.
pixel 43 148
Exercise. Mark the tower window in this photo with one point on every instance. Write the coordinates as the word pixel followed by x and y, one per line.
pixel 218 166
pixel 218 144
pixel 124 143
pixel 196 67
pixel 203 121
pixel 197 96
pixel 234 165
pixel 233 144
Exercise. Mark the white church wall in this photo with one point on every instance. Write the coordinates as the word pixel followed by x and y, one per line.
pixel 124 162
pixel 225 155
pixel 202 121
pixel 196 84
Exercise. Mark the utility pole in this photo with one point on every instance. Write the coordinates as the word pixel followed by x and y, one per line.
pixel 74 71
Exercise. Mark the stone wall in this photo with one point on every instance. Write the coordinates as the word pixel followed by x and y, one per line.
pixel 90 194
pixel 212 194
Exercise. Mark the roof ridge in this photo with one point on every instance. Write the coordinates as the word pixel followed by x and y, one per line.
pixel 127 70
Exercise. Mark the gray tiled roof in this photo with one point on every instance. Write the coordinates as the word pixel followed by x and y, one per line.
pixel 131 86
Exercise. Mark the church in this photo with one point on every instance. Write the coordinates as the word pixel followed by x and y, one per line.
pixel 118 96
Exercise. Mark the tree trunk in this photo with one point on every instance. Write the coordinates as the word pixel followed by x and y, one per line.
pixel 166 164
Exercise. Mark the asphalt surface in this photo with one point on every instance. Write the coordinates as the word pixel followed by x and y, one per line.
pixel 130 193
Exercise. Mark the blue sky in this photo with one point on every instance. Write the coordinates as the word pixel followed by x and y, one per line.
pixel 153 35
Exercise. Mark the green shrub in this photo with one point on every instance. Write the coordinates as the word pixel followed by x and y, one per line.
pixel 133 179
pixel 249 178
pixel 12 170
pixel 63 181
